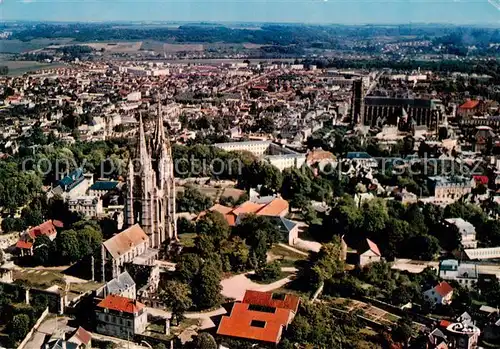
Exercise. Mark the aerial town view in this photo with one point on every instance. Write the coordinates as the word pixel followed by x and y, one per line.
pixel 262 174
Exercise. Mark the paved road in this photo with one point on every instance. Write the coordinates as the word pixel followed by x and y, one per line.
pixel 204 318
pixel 235 286
pixel 47 329
pixel 308 245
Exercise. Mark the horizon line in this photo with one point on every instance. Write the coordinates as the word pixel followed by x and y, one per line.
pixel 143 21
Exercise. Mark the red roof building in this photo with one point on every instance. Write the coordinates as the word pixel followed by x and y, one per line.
pixel 470 104
pixel 82 338
pixel 373 247
pixel 470 108
pixel 277 207
pixel 275 300
pixel 122 304
pixel 443 289
pixel 48 228
pixel 481 179
pixel 262 316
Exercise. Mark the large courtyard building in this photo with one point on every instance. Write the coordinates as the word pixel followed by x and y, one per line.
pixel 275 154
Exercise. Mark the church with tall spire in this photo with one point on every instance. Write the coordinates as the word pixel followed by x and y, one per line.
pixel 150 196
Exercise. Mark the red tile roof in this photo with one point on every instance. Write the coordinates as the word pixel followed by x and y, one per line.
pixel 444 323
pixel 81 336
pixel 247 207
pixel 119 303
pixel 481 179
pixel 57 224
pixel 373 247
pixel 443 288
pixel 274 208
pixel 469 104
pixel 126 240
pixel 221 208
pixel 290 302
pixel 241 323
pixel 24 245
pixel 47 228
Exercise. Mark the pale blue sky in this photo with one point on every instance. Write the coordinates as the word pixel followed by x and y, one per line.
pixel 305 11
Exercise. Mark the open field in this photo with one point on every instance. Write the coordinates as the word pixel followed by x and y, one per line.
pixel 18 46
pixel 173 48
pixel 22 67
pixel 126 47
pixel 162 47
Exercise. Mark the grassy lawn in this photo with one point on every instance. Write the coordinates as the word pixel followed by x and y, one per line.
pixel 286 254
pixel 46 278
pixel 391 317
pixel 187 240
pixel 157 329
pixel 84 287
pixel 39 278
pixel 267 282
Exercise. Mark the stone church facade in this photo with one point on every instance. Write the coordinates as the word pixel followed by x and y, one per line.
pixel 150 196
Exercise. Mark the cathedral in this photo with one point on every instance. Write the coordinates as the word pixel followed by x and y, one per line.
pixel 150 196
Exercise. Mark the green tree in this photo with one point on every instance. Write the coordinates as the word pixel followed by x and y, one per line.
pixel 258 249
pixel 345 218
pixel 205 340
pixel 325 264
pixel 269 272
pixel 236 252
pixel 214 225
pixel 67 246
pixel 185 226
pixel 10 224
pixel 416 219
pixel 176 296
pixel 192 200
pixel 188 267
pixel 403 331
pixel 44 250
pixel 295 182
pixel 32 217
pixel 89 240
pixel 204 245
pixel 395 233
pixel 18 327
pixel 422 247
pixel 375 216
pixel 206 286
